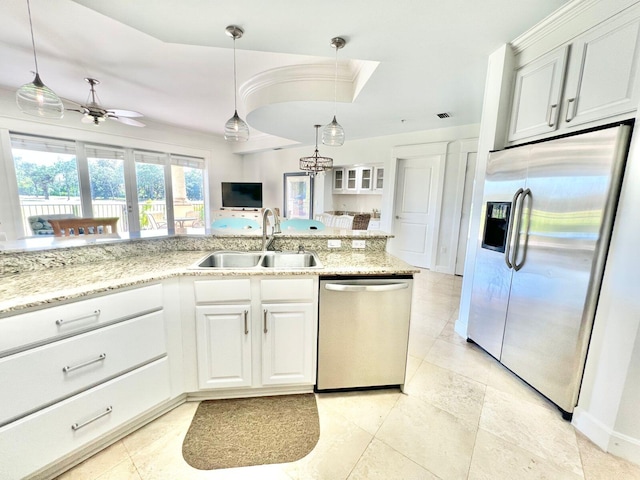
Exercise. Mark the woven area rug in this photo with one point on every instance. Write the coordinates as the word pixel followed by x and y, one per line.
pixel 251 431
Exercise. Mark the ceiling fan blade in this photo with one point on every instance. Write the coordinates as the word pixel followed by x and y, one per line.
pixel 124 113
pixel 75 110
pixel 129 121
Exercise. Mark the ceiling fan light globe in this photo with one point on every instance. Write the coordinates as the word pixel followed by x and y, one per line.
pixel 333 134
pixel 38 100
pixel 236 129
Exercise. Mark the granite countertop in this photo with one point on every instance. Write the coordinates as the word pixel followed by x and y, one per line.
pixel 28 290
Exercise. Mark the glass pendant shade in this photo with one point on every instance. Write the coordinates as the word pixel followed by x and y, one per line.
pixel 236 129
pixel 333 134
pixel 37 99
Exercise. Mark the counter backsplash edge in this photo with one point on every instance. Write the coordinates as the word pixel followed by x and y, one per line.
pixel 13 262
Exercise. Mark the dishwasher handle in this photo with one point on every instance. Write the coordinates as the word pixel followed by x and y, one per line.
pixel 348 287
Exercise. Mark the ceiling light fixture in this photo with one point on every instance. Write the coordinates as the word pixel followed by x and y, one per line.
pixel 236 129
pixel 36 98
pixel 333 133
pixel 315 163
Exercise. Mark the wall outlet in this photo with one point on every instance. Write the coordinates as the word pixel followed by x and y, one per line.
pixel 358 243
pixel 334 243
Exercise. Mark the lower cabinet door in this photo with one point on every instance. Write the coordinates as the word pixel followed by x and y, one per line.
pixel 35 441
pixel 289 344
pixel 224 346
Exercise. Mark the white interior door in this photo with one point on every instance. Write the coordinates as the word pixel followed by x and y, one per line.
pixel 463 237
pixel 417 209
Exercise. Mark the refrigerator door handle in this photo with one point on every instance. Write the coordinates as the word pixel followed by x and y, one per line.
pixel 507 250
pixel 517 266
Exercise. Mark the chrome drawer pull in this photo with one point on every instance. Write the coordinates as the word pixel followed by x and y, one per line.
pixel 85 364
pixel 246 326
pixel 95 313
pixel 78 426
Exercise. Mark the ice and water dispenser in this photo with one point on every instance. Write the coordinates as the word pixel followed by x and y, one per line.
pixel 496 226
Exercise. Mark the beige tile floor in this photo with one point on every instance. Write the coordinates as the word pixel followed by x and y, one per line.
pixel 462 416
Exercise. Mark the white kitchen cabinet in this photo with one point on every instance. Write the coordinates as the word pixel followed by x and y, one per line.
pixel 378 179
pixel 288 344
pixel 44 437
pixel 602 79
pixel 589 82
pixel 71 370
pixel 224 346
pixel 338 180
pixel 537 95
pixel 256 332
pixel 359 179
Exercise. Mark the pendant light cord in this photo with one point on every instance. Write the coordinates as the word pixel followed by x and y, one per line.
pixel 33 42
pixel 235 86
pixel 335 87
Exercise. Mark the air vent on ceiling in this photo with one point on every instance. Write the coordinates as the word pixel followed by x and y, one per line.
pixel 443 115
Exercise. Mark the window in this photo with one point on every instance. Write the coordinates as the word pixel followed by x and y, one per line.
pixel 150 187
pixel 187 182
pixel 150 192
pixel 47 177
pixel 106 177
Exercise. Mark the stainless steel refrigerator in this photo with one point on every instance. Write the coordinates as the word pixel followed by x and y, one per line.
pixel 548 211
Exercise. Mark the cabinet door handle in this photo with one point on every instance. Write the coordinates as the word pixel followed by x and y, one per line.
pixel 95 313
pixel 78 426
pixel 551 118
pixel 100 358
pixel 246 325
pixel 571 107
pixel 264 314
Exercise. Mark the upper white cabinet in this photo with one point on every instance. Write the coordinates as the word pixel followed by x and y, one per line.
pixel 537 95
pixel 591 81
pixel 364 179
pixel 338 180
pixel 602 78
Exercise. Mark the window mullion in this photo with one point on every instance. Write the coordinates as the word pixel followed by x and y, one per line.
pixel 131 190
pixel 168 191
pixel 84 180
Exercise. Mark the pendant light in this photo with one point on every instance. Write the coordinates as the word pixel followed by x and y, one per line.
pixel 315 163
pixel 236 129
pixel 333 133
pixel 36 98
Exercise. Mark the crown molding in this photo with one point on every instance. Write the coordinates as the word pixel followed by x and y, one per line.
pixel 553 22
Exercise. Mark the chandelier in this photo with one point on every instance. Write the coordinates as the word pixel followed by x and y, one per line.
pixel 315 163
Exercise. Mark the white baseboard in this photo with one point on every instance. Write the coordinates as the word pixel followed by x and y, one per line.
pixel 604 437
pixel 461 328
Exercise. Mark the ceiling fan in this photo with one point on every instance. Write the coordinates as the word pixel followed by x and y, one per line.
pixel 95 113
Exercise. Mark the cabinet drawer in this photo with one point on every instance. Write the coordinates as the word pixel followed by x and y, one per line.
pixel 46 374
pixel 288 289
pixel 40 439
pixel 229 290
pixel 28 329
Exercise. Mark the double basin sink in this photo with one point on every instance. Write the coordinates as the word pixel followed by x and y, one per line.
pixel 256 260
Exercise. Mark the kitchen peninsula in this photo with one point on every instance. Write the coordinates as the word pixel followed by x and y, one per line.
pixel 97 340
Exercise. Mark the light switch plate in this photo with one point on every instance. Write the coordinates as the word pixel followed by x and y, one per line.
pixel 358 243
pixel 334 243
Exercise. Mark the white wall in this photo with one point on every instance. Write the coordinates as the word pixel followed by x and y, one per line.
pixel 268 167
pixel 221 163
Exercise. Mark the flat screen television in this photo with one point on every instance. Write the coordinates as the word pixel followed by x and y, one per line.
pixel 241 195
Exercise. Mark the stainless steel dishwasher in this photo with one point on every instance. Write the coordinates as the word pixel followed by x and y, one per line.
pixel 363 331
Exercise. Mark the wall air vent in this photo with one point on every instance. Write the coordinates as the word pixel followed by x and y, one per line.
pixel 443 115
